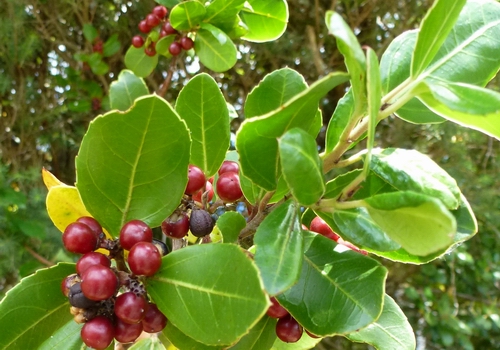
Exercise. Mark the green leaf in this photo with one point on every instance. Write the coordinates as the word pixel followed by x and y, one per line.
pixel 138 62
pixel 339 121
pixel 125 90
pixel 251 191
pixel 214 48
pixel 298 150
pixel 355 60
pixel 434 28
pixel 279 247
pixel 273 91
pixel 468 105
pixel 29 228
pixel 256 139
pixel 122 171
pixel 304 343
pixel 391 331
pixel 203 107
pixel 163 44
pixel 464 57
pixel 351 285
pixel 203 289
pixel 266 19
pixel 410 170
pixel 183 341
pixel 230 225
pixel 150 343
pixel 374 95
pixel 222 13
pixel 34 309
pixel 90 32
pixel 421 224
pixel 168 3
pixel 111 46
pixel 97 65
pixel 260 337
pixel 67 337
pixel 187 15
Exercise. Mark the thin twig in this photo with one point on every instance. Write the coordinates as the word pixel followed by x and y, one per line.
pixel 38 257
pixel 164 87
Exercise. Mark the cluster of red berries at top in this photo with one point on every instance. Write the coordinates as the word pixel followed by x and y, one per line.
pixel 110 300
pixel 200 191
pixel 320 226
pixel 158 18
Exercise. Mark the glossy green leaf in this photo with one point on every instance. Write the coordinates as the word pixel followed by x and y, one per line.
pixel 374 95
pixel 168 3
pixel 355 60
pixel 203 107
pixel 351 285
pixel 279 245
pixel 298 150
pixel 214 48
pixel 339 121
pixel 183 341
pixel 434 29
pixel 90 32
pixel 256 139
pixel 222 13
pixel 138 62
pixel 468 105
pixel 266 20
pixel 97 65
pixel 260 337
pixel 67 337
pixel 304 343
pixel 395 68
pixel 410 170
pixel 111 46
pixel 391 331
pixel 163 45
pixel 124 91
pixel 34 309
pixel 420 223
pixel 187 15
pixel 464 57
pixel 251 191
pixel 203 289
pixel 466 228
pixel 122 171
pixel 273 91
pixel 150 343
pixel 230 225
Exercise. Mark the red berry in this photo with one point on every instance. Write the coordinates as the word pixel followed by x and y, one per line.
pixel 127 333
pixel 130 308
pixel 208 187
pixel 320 226
pixel 201 223
pixel 228 187
pixel 196 180
pixel 163 33
pixel 92 223
pixel 152 20
pixel 176 225
pixel 133 232
pixel 98 46
pixel 175 48
pixel 99 282
pixel 154 320
pixel 91 258
pixel 79 238
pixel 288 329
pixel 276 310
pixel 228 166
pixel 144 27
pixel 186 43
pixel 160 11
pixel 98 333
pixel 150 50
pixel 167 27
pixel 137 41
pixel 144 259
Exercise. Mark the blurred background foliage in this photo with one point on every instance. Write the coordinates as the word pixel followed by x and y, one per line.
pixel 53 81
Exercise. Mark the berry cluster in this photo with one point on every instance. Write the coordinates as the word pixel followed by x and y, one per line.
pixel 320 226
pixel 287 327
pixel 111 301
pixel 158 19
